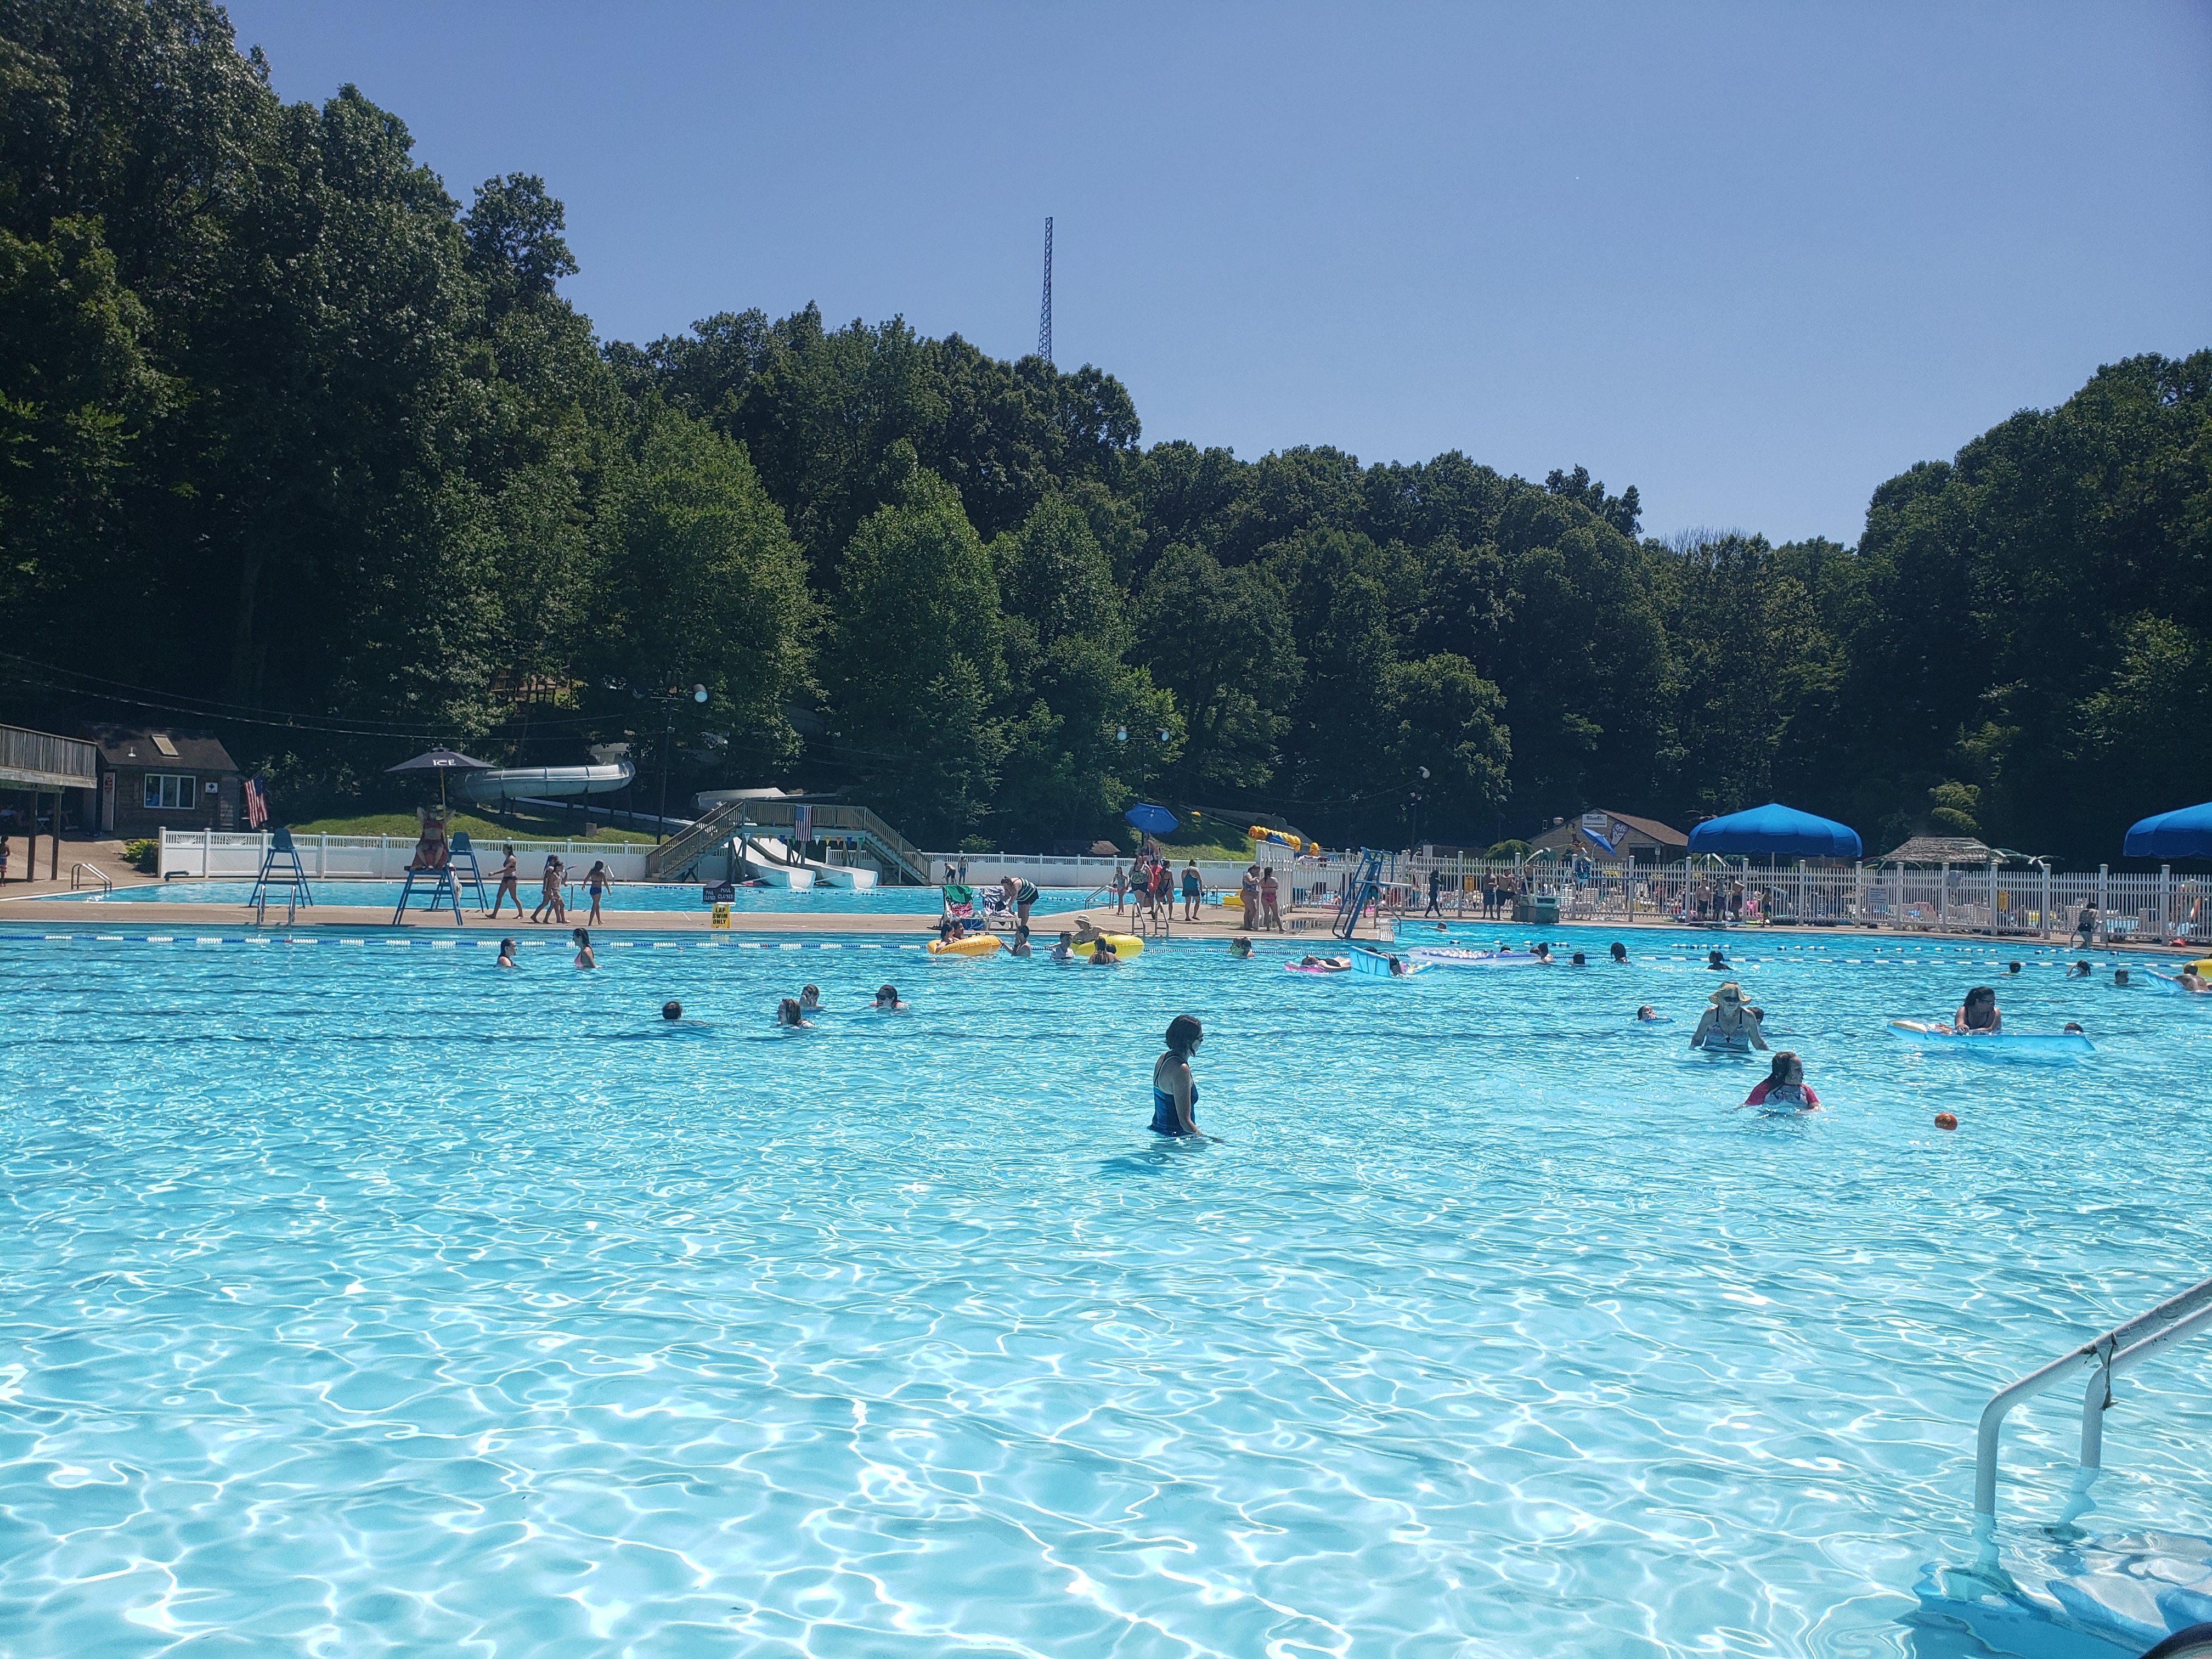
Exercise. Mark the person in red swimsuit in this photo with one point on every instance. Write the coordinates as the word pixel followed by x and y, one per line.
pixel 1784 1089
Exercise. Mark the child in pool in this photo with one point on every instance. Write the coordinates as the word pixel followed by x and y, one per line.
pixel 1785 1087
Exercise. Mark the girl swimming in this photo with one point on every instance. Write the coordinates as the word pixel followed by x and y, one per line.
pixel 583 942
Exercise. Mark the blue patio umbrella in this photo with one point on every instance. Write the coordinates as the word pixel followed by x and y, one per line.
pixel 1152 820
pixel 2185 834
pixel 1775 828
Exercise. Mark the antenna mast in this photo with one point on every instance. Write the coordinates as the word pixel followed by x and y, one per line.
pixel 1044 313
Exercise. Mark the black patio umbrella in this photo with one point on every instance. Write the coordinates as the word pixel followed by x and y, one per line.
pixel 442 760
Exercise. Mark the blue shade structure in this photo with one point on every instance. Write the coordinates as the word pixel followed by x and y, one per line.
pixel 2185 833
pixel 1775 828
pixel 1152 820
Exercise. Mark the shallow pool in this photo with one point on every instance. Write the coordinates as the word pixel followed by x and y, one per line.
pixel 357 1297
pixel 624 896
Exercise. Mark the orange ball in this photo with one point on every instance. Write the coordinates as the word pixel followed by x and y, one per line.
pixel 1945 1120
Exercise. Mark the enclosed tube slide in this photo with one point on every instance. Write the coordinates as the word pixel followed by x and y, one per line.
pixel 550 783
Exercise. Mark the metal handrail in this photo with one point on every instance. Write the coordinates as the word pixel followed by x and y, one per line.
pixel 78 870
pixel 2126 1344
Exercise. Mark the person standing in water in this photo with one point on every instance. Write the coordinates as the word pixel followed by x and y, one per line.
pixel 507 948
pixel 1785 1088
pixel 1174 1091
pixel 584 957
pixel 509 874
pixel 1728 1025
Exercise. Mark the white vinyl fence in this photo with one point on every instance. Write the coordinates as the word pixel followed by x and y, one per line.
pixel 2024 901
pixel 226 856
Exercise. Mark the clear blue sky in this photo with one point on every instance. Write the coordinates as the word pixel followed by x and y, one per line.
pixel 1752 258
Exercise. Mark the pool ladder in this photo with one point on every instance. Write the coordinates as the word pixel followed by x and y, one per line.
pixel 2121 1348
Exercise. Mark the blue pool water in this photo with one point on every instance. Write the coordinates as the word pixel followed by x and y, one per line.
pixel 357 1299
pixel 624 895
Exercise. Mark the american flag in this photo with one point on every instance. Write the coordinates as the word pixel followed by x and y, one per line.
pixel 257 803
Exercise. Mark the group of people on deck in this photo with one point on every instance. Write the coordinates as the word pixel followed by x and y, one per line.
pixel 552 906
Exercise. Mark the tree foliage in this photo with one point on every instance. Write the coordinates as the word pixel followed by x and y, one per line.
pixel 284 428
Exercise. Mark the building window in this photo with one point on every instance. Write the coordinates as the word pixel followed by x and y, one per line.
pixel 171 791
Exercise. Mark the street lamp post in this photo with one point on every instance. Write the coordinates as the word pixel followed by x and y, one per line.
pixel 668 700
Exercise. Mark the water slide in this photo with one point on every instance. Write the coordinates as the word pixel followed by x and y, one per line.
pixel 776 863
pixel 518 783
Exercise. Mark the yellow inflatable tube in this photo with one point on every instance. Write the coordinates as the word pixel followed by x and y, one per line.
pixel 975 944
pixel 1123 945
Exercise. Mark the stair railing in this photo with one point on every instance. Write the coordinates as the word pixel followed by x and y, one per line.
pixel 2123 1347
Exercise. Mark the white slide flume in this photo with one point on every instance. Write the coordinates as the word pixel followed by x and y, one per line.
pixel 541 782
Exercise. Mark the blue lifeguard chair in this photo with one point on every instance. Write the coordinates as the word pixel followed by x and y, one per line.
pixel 440 886
pixel 461 853
pixel 280 867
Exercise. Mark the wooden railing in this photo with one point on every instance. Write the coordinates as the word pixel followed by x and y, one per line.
pixel 39 760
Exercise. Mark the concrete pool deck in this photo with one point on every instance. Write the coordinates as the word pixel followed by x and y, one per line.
pixel 1214 923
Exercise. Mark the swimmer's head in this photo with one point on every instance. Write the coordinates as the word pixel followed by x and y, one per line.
pixel 1715 959
pixel 787 1011
pixel 810 991
pixel 1980 994
pixel 1184 1035
pixel 1945 1120
pixel 506 947
pixel 582 936
pixel 1577 959
pixel 887 996
pixel 1647 1011
pixel 2074 1026
pixel 2012 967
pixel 1787 1068
pixel 672 1011
pixel 2120 977
pixel 1620 952
pixel 1065 936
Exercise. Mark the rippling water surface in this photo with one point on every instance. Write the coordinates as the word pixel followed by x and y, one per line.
pixel 359 1299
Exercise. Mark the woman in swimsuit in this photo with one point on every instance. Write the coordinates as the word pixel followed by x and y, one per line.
pixel 1728 1025
pixel 598 881
pixel 1104 955
pixel 1977 1016
pixel 584 957
pixel 550 907
pixel 1174 1091
pixel 887 1000
pixel 510 873
pixel 507 948
pixel 1021 893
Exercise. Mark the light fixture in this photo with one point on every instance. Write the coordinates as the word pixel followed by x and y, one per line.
pixel 1121 734
pixel 698 694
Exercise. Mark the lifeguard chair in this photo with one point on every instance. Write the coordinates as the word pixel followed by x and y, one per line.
pixel 280 867
pixel 463 853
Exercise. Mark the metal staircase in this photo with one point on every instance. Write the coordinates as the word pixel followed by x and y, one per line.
pixel 674 859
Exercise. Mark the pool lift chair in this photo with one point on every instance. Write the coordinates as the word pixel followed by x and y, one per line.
pixel 1361 890
pixel 280 867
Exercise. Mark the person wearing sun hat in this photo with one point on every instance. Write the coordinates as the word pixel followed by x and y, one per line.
pixel 1731 1026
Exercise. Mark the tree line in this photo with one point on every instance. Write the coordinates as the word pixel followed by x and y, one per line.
pixel 294 439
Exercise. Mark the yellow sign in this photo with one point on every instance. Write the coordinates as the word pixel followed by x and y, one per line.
pixel 720 918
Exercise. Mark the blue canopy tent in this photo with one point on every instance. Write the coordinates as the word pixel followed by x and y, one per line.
pixel 1775 828
pixel 2185 833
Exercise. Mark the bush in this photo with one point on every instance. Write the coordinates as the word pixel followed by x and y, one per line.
pixel 145 856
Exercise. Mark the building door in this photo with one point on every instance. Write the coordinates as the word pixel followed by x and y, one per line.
pixel 108 803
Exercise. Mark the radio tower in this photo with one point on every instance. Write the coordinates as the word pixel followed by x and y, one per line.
pixel 1044 312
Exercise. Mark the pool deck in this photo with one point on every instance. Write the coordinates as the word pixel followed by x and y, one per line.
pixel 1214 923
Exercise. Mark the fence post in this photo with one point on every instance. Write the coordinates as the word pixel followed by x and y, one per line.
pixel 2043 908
pixel 2165 892
pixel 2103 892
pixel 207 850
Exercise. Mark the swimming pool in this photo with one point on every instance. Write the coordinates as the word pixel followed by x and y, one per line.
pixel 624 895
pixel 358 1297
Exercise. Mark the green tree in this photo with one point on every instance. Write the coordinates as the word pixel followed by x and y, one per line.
pixel 915 670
